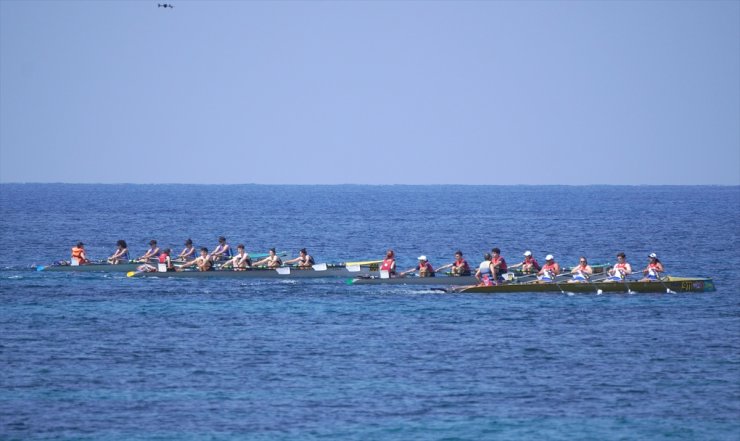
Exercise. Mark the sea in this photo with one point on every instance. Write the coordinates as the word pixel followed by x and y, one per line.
pixel 93 356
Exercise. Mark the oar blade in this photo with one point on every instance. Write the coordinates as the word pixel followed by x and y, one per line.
pixel 131 274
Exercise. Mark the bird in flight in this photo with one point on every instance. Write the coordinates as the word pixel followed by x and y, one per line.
pixel 165 5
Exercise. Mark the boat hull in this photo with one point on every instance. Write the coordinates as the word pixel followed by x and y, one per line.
pixel 677 284
pixel 261 273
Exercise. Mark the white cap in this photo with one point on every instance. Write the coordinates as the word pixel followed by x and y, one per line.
pixel 653 256
pixel 527 253
pixel 422 258
pixel 549 257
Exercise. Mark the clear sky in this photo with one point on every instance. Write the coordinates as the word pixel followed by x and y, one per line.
pixel 386 92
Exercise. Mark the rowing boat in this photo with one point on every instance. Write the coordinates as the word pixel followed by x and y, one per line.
pixel 677 284
pixel 448 279
pixel 106 267
pixel 318 272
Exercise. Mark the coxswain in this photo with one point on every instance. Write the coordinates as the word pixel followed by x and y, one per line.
pixel 549 270
pixel 653 269
pixel 164 259
pixel 498 265
pixel 241 260
pixel 187 253
pixel 222 250
pixel 528 265
pixel 621 269
pixel 151 253
pixel 203 262
pixel 485 272
pixel 459 267
pixel 271 261
pixel 121 254
pixel 78 255
pixel 304 260
pixel 389 263
pixel 424 267
pixel 581 273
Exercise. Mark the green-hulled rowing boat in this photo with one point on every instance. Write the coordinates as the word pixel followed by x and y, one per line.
pixel 317 272
pixel 677 284
pixel 105 267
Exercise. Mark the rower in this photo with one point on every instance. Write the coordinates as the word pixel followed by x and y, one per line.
pixel 151 253
pixel 304 260
pixel 389 263
pixel 241 260
pixel 653 270
pixel 203 262
pixel 121 254
pixel 272 260
pixel 485 272
pixel 529 264
pixel 621 269
pixel 550 270
pixel 222 250
pixel 187 253
pixel 424 267
pixel 498 264
pixel 582 272
pixel 78 255
pixel 459 267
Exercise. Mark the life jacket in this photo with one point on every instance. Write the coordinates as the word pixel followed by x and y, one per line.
pixel 462 265
pixel 78 253
pixel 426 270
pixel 502 264
pixel 621 268
pixel 387 265
pixel 162 258
pixel 653 270
pixel 654 266
pixel 549 267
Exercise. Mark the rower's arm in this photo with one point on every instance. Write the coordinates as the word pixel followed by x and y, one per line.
pixel 292 260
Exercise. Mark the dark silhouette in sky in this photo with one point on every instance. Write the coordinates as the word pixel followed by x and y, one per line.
pixel 165 5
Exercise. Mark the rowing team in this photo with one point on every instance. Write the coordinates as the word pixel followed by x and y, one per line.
pixel 493 268
pixel 203 260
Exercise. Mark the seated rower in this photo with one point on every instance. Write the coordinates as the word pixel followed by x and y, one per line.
pixel 78 255
pixel 498 264
pixel 203 262
pixel 621 269
pixel 121 254
pixel 241 260
pixel 187 253
pixel 653 270
pixel 581 273
pixel 424 267
pixel 550 270
pixel 163 259
pixel 389 263
pixel 271 261
pixel 528 265
pixel 304 260
pixel 222 250
pixel 484 274
pixel 151 253
pixel 459 267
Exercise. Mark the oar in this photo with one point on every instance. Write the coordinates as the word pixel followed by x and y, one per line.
pixel 667 290
pixel 624 280
pixel 555 281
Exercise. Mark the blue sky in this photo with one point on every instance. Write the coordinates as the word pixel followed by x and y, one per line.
pixel 370 92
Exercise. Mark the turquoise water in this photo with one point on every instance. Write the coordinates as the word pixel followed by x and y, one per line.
pixel 91 356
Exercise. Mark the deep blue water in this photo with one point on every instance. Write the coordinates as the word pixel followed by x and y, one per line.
pixel 90 356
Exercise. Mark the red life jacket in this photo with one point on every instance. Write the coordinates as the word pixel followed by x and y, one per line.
pixel 502 267
pixel 163 258
pixel 622 266
pixel 462 264
pixel 387 264
pixel 654 266
pixel 549 267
